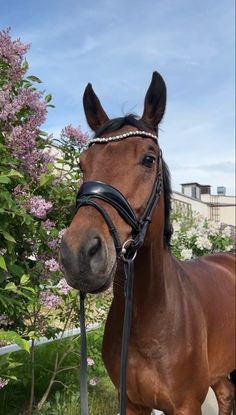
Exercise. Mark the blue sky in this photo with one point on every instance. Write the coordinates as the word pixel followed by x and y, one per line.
pixel 116 45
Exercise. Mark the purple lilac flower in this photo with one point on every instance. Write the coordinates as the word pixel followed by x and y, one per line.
pixel 75 135
pixel 63 286
pixel 53 244
pixel 21 139
pixel 49 300
pixel 12 52
pixel 3 382
pixel 39 207
pixel 52 265
pixel 48 224
pixel 61 233
pixel 5 320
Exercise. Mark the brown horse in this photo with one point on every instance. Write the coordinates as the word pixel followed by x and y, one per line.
pixel 183 324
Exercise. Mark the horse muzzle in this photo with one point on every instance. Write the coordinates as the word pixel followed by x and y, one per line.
pixel 92 266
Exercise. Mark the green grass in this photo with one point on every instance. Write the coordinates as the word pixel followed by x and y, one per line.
pixel 64 396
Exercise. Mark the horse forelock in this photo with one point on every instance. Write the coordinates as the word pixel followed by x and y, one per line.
pixel 132 120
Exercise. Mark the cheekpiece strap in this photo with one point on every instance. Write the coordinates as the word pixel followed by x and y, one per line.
pixel 104 140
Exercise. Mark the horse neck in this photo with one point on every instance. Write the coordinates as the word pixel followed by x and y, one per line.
pixel 154 283
pixel 152 276
pixel 153 269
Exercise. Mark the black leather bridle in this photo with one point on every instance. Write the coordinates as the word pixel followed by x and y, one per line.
pixel 89 195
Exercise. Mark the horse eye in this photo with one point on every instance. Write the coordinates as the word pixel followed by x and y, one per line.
pixel 148 161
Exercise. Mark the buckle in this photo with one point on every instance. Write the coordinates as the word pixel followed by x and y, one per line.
pixel 125 250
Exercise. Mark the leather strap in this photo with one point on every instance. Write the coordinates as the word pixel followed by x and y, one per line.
pixel 108 193
pixel 83 361
pixel 129 279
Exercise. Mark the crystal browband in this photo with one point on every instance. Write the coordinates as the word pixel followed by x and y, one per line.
pixel 103 140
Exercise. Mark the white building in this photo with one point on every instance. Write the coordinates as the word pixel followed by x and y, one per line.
pixel 220 208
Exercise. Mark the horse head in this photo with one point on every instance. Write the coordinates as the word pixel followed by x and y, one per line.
pixel 125 159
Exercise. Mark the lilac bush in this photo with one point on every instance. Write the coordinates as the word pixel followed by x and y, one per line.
pixel 33 213
pixel 39 178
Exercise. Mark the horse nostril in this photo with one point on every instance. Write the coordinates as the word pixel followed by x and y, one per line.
pixel 94 246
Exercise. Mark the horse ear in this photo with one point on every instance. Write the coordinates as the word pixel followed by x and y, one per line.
pixel 94 112
pixel 155 101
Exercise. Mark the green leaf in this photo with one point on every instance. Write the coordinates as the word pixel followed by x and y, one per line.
pixel 3 263
pixel 48 98
pixel 29 289
pixel 7 236
pixel 25 65
pixel 45 179
pixel 14 173
pixel 4 179
pixel 43 133
pixel 32 334
pixel 23 344
pixel 11 367
pixel 11 286
pixel 34 79
pixel 50 167
pixel 24 279
pixel 13 337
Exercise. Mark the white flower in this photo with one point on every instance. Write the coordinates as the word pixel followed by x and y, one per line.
pixel 229 248
pixel 191 232
pixel 226 231
pixel 90 361
pixel 202 242
pixel 93 381
pixel 3 382
pixel 213 227
pixel 186 254
pixel 176 226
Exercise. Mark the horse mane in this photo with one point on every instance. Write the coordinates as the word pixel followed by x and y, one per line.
pixel 134 121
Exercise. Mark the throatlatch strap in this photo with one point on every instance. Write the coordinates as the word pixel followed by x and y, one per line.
pixel 129 278
pixel 83 362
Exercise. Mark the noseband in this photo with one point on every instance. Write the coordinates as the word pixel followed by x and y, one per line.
pixel 89 195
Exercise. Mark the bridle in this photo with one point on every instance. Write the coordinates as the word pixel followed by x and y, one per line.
pixel 126 252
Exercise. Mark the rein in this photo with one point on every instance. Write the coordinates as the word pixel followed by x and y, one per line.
pixel 126 252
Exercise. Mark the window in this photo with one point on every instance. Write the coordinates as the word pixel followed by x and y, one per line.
pixel 194 192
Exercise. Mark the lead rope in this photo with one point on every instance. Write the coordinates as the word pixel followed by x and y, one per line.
pixel 83 362
pixel 129 278
pixel 128 292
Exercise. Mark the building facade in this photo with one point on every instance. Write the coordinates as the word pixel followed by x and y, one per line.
pixel 220 207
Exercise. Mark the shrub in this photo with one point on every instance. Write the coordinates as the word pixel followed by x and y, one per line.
pixel 195 235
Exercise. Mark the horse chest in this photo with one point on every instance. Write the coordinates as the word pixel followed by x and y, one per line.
pixel 147 380
pixel 147 373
